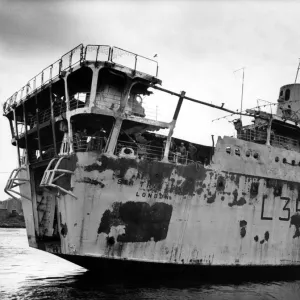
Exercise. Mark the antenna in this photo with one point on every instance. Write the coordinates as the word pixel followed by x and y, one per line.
pixel 297 71
pixel 242 96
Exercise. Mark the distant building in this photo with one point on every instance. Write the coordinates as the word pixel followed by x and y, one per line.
pixel 11 206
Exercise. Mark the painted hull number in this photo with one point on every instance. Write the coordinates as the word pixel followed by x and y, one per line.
pixel 286 211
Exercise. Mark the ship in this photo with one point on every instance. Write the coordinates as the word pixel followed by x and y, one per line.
pixel 102 188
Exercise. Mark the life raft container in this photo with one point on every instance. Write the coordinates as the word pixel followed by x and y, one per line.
pixel 127 152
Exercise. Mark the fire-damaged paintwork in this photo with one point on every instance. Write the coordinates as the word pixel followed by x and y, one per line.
pixel 242 209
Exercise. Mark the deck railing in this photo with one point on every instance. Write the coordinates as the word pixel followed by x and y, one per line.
pixel 260 137
pixel 284 142
pixel 149 152
pixel 97 53
pixel 48 152
pixel 137 150
pixel 134 61
pixel 77 56
pixel 45 115
pixel 88 143
pixel 67 61
pixel 252 135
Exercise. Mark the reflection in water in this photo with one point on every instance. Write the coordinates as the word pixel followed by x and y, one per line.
pixel 27 273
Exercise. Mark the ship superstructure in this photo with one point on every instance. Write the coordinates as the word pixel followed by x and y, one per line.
pixel 99 187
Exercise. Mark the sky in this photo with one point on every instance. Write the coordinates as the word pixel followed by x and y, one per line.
pixel 199 45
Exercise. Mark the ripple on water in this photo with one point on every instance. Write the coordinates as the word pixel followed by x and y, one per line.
pixel 31 274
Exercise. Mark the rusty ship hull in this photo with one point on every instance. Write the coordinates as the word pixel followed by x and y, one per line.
pixel 101 197
pixel 161 213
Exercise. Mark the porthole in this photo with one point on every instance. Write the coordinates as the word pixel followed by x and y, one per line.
pixel 237 152
pixel 248 153
pixel 284 160
pixel 277 159
pixel 293 162
pixel 228 150
pixel 256 155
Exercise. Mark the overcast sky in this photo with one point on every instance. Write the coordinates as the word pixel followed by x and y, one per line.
pixel 199 45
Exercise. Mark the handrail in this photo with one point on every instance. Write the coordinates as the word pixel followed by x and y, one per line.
pixel 150 152
pixel 135 54
pixel 49 178
pixel 50 73
pixel 84 143
pixel 136 58
pixel 98 47
pixel 13 182
pixel 256 136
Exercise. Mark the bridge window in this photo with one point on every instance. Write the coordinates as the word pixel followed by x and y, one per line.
pixel 281 93
pixel 287 94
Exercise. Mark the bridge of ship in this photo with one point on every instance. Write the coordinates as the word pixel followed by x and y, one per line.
pixel 94 98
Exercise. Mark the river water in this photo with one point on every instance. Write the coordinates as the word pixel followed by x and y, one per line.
pixel 27 273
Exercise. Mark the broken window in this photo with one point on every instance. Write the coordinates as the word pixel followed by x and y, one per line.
pixel 139 104
pixel 135 105
pixel 79 87
pixel 136 141
pixel 91 132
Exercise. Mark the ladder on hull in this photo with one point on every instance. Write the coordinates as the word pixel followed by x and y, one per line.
pixel 53 173
pixel 13 182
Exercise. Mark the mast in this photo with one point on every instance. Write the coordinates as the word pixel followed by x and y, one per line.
pixel 297 71
pixel 242 96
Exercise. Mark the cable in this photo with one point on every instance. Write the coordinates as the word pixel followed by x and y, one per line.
pixel 257 107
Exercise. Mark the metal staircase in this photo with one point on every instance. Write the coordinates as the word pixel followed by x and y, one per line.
pixel 14 182
pixel 53 173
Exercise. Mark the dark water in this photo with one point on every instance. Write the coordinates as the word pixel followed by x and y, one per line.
pixel 27 273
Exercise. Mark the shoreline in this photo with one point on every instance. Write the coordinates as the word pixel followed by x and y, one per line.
pixel 13 222
pixel 12 226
